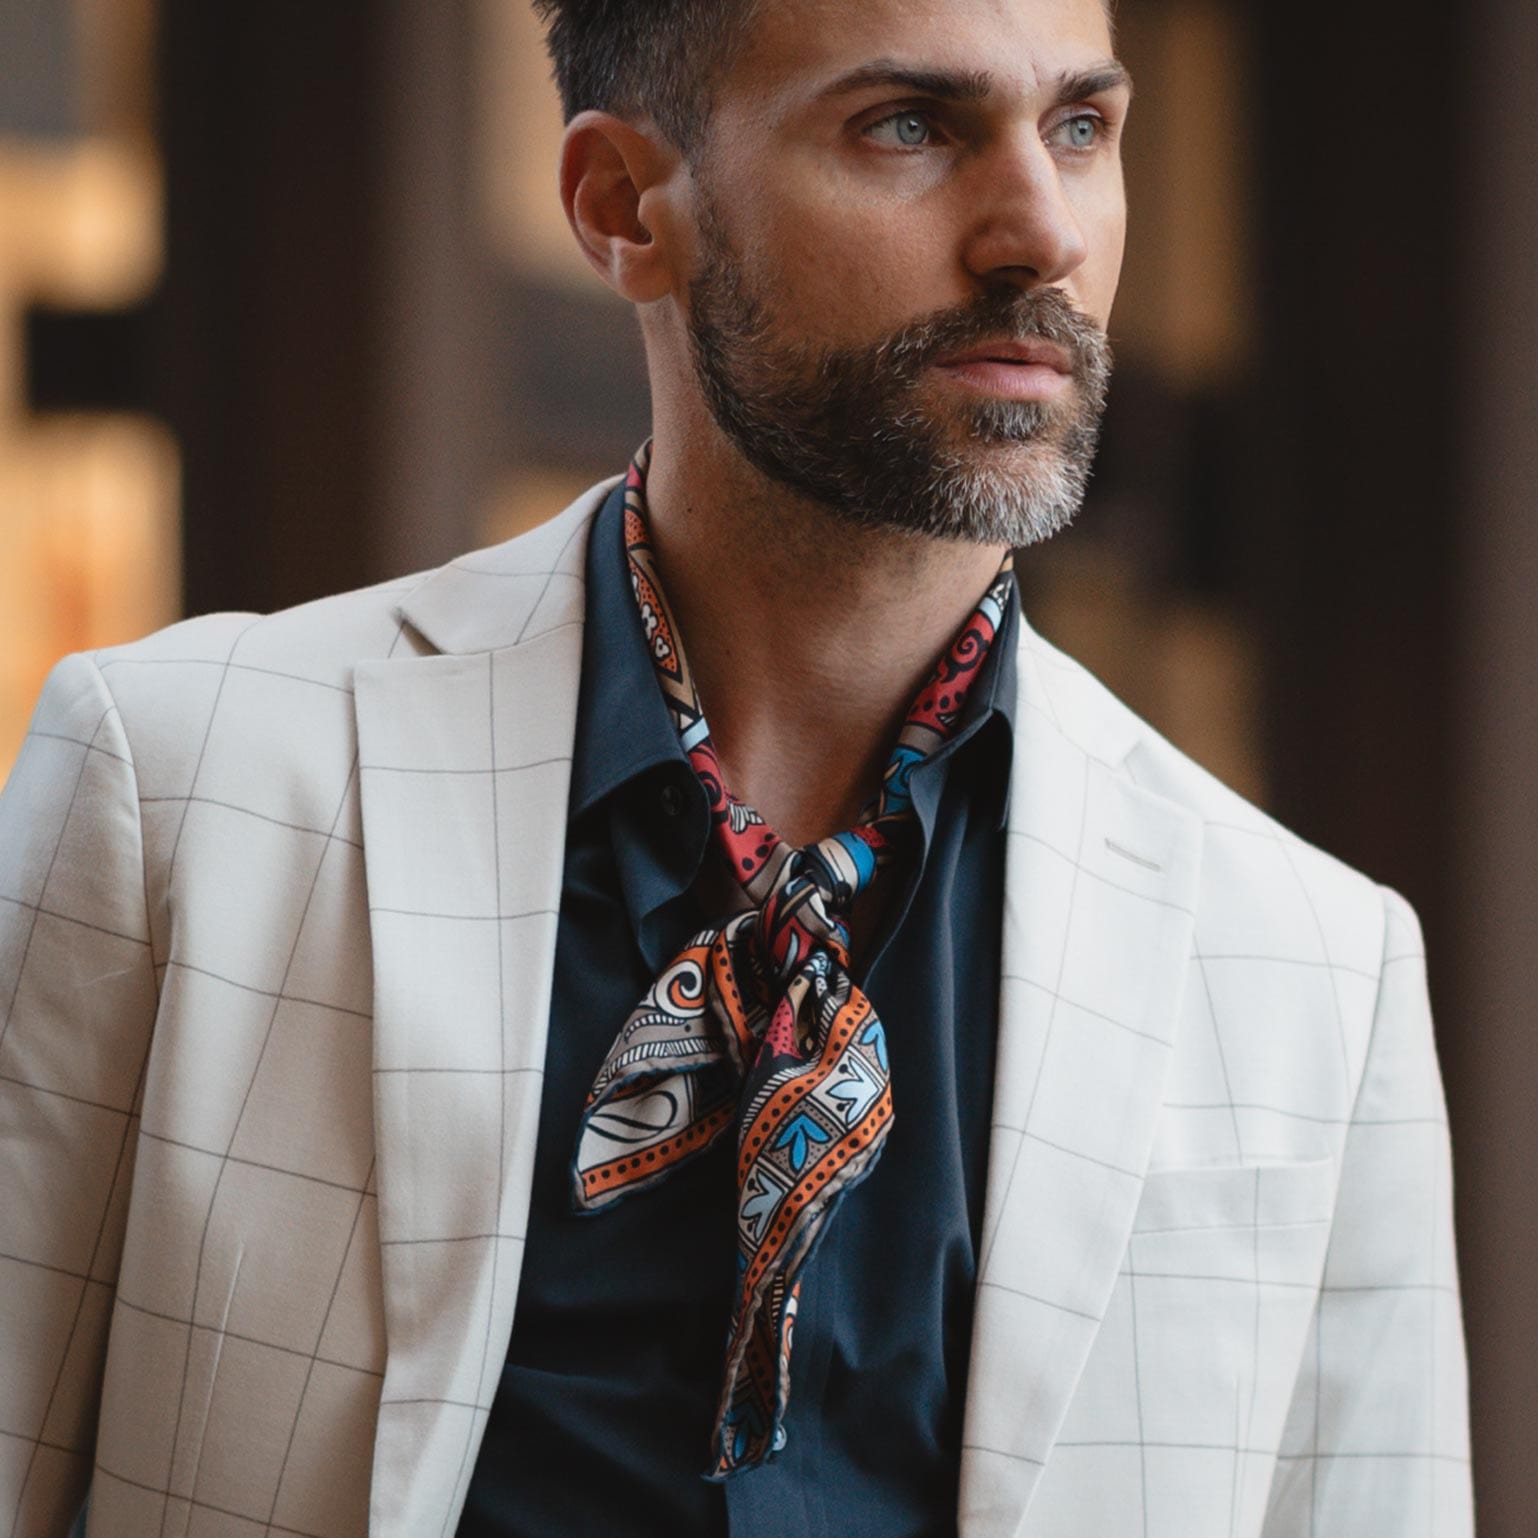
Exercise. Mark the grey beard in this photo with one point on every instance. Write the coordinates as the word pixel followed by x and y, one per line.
pixel 844 427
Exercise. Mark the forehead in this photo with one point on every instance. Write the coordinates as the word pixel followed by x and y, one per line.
pixel 795 46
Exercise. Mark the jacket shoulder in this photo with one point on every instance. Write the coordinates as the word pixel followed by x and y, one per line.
pixel 1264 890
pixel 233 695
pixel 319 641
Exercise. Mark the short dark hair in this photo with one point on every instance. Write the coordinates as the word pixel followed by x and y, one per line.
pixel 656 59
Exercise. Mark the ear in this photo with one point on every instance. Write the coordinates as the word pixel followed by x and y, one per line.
pixel 615 187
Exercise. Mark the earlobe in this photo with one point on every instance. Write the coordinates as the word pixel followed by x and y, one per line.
pixel 608 168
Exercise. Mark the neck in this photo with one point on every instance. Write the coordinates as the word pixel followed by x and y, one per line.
pixel 808 638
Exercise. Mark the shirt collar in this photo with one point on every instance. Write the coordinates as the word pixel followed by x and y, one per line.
pixel 623 726
pixel 989 717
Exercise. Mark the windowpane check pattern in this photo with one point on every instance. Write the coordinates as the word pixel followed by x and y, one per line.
pixel 277 915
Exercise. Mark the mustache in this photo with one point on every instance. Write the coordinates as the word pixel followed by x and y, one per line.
pixel 1044 314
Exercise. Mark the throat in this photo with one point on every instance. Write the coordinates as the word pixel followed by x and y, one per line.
pixel 808 777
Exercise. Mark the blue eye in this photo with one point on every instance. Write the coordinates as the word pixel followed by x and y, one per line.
pixel 904 130
pixel 1082 132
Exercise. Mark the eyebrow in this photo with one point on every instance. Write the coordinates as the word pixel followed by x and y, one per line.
pixel 1110 76
pixel 974 85
pixel 942 84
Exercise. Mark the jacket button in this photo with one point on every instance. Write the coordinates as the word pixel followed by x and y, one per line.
pixel 672 801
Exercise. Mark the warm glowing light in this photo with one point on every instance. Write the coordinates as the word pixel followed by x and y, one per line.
pixel 88 536
pixel 89 505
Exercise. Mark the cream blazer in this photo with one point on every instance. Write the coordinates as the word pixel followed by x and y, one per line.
pixel 277 913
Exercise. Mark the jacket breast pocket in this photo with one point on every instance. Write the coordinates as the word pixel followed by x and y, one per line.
pixel 1193 1367
pixel 1221 1198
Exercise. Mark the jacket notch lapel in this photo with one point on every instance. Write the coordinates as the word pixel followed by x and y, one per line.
pixel 465 763
pixel 1099 900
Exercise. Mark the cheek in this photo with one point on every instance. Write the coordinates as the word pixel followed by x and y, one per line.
pixel 1104 223
pixel 847 273
pixel 832 257
pixel 852 272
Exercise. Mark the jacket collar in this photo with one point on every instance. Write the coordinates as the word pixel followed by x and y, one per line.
pixel 500 598
pixel 464 770
pixel 1099 906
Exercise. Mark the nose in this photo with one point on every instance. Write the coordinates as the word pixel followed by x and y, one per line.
pixel 1024 228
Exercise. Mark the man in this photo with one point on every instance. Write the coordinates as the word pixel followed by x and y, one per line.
pixel 450 1083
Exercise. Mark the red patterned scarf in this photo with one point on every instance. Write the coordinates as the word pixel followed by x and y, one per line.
pixel 758 1025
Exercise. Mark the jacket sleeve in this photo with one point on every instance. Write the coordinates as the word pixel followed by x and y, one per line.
pixel 77 1005
pixel 1376 1444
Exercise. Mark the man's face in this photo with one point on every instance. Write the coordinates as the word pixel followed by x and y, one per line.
pixel 910 222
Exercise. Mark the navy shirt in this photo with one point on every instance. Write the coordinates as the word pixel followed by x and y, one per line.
pixel 601 1422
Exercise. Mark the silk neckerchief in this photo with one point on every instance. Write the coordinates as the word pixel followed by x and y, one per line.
pixel 758 1024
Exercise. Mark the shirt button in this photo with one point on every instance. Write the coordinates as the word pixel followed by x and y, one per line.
pixel 672 801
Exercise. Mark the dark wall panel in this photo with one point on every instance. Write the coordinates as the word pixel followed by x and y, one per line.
pixel 266 122
pixel 1356 518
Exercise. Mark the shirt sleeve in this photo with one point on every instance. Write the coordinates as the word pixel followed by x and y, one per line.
pixel 77 1006
pixel 1376 1442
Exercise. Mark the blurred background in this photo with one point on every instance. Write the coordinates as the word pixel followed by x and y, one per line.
pixel 287 305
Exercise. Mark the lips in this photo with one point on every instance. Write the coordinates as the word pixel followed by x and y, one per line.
pixel 1032 352
pixel 1031 370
